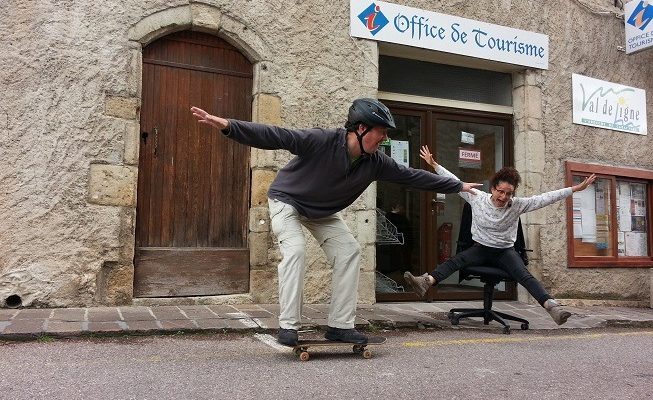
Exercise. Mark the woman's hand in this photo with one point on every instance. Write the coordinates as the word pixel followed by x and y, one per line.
pixel 426 155
pixel 584 184
pixel 206 118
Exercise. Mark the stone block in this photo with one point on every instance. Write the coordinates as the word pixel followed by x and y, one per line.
pixel 258 249
pixel 367 288
pixel 150 27
pixel 368 258
pixel 135 73
pixel 205 16
pixel 113 185
pixel 259 219
pixel 122 107
pixel 365 231
pixel 261 181
pixel 132 143
pixel 264 286
pixel 533 102
pixel 518 79
pixel 115 284
pixel 264 159
pixel 267 109
pixel 531 184
pixel 532 233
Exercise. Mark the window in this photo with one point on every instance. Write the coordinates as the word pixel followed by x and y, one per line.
pixel 609 223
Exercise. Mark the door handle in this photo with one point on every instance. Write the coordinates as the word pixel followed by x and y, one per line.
pixel 156 140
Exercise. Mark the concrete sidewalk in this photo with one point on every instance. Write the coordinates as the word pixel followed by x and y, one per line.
pixel 70 322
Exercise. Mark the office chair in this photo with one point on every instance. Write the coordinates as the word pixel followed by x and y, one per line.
pixel 487 274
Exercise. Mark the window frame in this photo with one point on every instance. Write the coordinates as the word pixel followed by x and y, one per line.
pixel 613 174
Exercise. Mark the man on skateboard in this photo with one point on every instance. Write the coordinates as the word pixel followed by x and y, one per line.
pixel 331 169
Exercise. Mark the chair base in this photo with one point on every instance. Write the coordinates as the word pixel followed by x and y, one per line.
pixel 488 315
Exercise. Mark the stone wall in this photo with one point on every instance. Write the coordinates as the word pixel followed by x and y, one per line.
pixel 69 124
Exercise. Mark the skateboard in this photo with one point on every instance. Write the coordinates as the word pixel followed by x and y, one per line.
pixel 301 349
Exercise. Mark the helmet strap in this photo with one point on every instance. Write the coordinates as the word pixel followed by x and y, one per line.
pixel 360 140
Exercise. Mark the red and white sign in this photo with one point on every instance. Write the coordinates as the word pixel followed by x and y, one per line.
pixel 469 155
pixel 469 158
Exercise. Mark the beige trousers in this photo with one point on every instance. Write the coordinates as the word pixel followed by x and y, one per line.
pixel 342 252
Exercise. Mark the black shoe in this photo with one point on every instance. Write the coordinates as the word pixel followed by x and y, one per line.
pixel 287 337
pixel 345 335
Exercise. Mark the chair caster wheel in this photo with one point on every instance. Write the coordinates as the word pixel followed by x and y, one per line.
pixel 524 327
pixel 455 320
pixel 506 330
pixel 450 315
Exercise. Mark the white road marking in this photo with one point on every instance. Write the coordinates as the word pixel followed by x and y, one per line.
pixel 270 341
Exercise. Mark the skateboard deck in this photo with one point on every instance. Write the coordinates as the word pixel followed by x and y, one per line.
pixel 301 349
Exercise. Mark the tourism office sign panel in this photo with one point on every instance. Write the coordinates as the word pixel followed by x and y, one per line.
pixel 392 23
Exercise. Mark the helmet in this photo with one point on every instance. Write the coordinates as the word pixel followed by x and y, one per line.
pixel 369 112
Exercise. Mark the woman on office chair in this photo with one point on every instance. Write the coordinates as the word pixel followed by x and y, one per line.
pixel 494 231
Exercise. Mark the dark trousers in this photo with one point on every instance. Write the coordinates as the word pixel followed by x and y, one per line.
pixel 506 259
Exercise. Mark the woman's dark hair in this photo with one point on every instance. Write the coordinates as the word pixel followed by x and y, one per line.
pixel 505 174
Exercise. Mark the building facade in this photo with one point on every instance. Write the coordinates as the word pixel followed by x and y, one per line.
pixel 112 193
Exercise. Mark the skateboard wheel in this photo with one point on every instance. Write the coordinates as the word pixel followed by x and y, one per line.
pixel 304 356
pixel 367 354
pixel 358 348
pixel 298 352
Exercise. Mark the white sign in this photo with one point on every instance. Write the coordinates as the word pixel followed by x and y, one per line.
pixel 639 29
pixel 466 137
pixel 469 155
pixel 608 105
pixel 399 151
pixel 387 22
pixel 469 158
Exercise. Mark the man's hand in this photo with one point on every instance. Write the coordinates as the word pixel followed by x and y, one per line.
pixel 470 188
pixel 426 155
pixel 584 184
pixel 206 118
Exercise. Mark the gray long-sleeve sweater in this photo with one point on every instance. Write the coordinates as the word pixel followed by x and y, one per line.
pixel 322 179
pixel 494 226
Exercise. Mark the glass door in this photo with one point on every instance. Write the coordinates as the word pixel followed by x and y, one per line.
pixel 472 148
pixel 417 230
pixel 399 212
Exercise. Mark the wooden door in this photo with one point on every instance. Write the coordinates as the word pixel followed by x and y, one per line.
pixel 193 183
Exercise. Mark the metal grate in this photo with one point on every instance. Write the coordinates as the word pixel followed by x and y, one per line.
pixel 386 232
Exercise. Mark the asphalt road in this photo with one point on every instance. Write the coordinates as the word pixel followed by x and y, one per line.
pixel 450 364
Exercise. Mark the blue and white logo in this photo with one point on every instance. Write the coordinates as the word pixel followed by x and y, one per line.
pixel 373 19
pixel 641 16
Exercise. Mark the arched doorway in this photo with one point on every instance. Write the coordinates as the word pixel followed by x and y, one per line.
pixel 193 183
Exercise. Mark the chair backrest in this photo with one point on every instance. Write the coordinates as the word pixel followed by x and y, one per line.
pixel 465 240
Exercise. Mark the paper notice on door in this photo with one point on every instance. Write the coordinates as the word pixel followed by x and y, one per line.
pixel 588 214
pixel 636 244
pixel 621 244
pixel 578 221
pixel 623 207
pixel 399 152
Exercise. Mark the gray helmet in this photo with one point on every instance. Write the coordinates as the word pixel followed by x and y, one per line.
pixel 370 112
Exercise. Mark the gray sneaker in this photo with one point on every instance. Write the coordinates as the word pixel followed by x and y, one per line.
pixel 556 311
pixel 419 284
